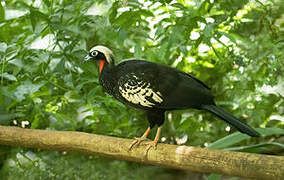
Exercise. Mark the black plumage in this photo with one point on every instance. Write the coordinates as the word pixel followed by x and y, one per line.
pixel 156 88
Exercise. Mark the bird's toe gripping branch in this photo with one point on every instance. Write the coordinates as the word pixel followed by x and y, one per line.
pixel 138 140
pixel 150 144
pixel 155 142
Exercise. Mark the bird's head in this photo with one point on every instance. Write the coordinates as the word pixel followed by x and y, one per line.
pixel 102 55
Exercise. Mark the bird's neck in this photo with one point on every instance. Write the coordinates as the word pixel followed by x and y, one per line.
pixel 108 77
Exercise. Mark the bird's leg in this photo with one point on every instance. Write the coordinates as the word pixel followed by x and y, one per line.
pixel 154 143
pixel 138 140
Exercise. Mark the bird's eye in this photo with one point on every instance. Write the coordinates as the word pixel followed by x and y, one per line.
pixel 94 53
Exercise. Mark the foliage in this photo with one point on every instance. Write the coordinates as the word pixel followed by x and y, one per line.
pixel 54 165
pixel 236 47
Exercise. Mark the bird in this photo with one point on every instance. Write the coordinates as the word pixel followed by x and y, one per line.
pixel 156 88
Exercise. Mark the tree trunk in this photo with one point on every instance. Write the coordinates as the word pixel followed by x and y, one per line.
pixel 180 157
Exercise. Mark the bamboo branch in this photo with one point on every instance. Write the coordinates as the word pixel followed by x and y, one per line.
pixel 179 157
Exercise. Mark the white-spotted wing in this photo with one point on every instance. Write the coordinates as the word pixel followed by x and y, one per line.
pixel 136 90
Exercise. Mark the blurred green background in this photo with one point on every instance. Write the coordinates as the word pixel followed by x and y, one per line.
pixel 235 46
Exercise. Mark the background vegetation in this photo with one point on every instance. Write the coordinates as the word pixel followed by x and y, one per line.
pixel 235 47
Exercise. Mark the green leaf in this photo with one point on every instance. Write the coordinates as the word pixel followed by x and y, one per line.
pixel 113 11
pixel 146 13
pixel 126 18
pixel 270 131
pixel 137 51
pixel 3 47
pixel 26 88
pixel 214 177
pixel 208 64
pixel 16 62
pixel 198 41
pixel 36 16
pixel 47 3
pixel 258 148
pixel 6 118
pixel 228 140
pixel 230 36
pixel 180 6
pixel 33 18
pixel 2 12
pixel 9 76
pixel 238 137
pixel 208 30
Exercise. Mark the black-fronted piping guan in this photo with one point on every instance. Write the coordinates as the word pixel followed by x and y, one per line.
pixel 157 88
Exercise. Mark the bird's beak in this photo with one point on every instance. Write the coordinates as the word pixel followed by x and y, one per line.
pixel 87 58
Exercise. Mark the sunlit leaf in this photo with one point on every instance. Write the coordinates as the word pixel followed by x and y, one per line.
pixel 207 64
pixel 3 47
pixel 8 76
pixel 2 13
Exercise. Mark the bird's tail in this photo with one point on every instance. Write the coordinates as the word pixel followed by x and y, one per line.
pixel 229 118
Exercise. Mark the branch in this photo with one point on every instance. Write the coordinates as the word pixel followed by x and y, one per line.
pixel 178 157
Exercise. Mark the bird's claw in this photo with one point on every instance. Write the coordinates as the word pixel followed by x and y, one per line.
pixel 151 144
pixel 136 142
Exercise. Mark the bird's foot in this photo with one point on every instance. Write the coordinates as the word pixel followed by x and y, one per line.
pixel 151 144
pixel 136 142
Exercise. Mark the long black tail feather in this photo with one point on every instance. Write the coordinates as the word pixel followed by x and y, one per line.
pixel 229 118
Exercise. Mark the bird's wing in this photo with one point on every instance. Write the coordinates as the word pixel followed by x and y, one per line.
pixel 153 85
pixel 137 89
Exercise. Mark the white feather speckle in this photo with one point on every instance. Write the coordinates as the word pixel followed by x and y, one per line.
pixel 139 92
